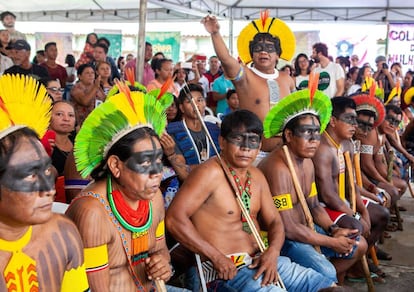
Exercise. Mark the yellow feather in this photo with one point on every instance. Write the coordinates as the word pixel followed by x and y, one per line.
pixel 124 106
pixel 26 102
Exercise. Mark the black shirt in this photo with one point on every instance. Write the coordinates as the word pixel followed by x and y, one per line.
pixel 35 71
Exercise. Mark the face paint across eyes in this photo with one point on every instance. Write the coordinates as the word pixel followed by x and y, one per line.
pixel 145 162
pixel 34 176
pixel 308 132
pixel 264 47
pixel 393 121
pixel 245 140
pixel 349 118
pixel 365 126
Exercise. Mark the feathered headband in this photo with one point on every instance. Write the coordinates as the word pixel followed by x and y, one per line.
pixel 306 101
pixel 118 116
pixel 24 102
pixel 271 25
pixel 369 102
pixel 408 96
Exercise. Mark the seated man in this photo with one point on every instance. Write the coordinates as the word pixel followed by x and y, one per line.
pixel 300 125
pixel 373 160
pixel 39 250
pixel 206 218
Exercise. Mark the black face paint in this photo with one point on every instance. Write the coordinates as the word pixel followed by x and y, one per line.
pixel 33 176
pixel 308 132
pixel 145 162
pixel 365 126
pixel 393 121
pixel 263 47
pixel 244 140
pixel 349 118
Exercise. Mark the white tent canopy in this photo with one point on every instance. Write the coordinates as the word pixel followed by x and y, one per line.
pixel 184 10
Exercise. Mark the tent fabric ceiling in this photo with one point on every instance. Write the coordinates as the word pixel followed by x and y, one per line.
pixel 183 10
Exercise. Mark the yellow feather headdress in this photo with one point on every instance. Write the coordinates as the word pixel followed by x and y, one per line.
pixel 24 102
pixel 271 25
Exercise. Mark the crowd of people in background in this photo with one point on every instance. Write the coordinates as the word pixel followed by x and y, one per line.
pixel 225 90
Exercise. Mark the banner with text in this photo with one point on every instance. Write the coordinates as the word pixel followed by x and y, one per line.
pixel 401 45
pixel 165 42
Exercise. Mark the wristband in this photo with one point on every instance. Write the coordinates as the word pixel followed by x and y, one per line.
pixel 357 216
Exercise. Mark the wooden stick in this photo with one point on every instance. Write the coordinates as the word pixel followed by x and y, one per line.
pixel 230 179
pixel 358 176
pixel 364 261
pixel 160 284
pixel 299 193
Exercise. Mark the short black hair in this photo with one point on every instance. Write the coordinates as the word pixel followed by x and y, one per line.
pixel 103 46
pixel 6 13
pixel 241 120
pixel 49 44
pixel 394 108
pixel 321 48
pixel 229 93
pixel 264 36
pixel 105 40
pixel 184 92
pixel 340 104
pixel 82 68
pixel 368 113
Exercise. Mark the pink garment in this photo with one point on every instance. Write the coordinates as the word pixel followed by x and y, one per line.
pixel 148 72
pixel 154 84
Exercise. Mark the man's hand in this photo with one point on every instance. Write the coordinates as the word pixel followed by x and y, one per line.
pixel 343 244
pixel 224 267
pixel 211 24
pixel 266 263
pixel 157 267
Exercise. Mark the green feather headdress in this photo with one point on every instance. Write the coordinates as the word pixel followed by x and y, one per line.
pixel 306 101
pixel 116 117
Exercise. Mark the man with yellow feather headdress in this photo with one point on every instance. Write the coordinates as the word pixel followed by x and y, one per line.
pixel 259 86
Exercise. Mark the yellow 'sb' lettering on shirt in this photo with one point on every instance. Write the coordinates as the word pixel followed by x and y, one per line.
pixel 283 202
pixel 313 191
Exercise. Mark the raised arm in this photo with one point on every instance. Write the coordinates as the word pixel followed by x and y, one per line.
pixel 230 65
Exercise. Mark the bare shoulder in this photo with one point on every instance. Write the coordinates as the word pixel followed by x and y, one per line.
pixel 269 164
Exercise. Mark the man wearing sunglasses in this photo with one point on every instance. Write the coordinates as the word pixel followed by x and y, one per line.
pixel 54 90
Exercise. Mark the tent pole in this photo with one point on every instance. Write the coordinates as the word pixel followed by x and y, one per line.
pixel 231 31
pixel 141 41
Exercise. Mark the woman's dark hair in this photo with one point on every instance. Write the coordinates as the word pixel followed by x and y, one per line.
pixel 8 145
pixel 352 71
pixel 186 73
pixel 118 62
pixel 178 116
pixel 123 149
pixel 88 35
pixel 241 120
pixel 83 67
pixel 360 78
pixel 296 65
pixel 290 67
pixel 156 64
pixel 70 60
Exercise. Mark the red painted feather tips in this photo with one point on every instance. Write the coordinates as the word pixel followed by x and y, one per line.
pixel 125 90
pixel 164 88
pixel 264 15
pixel 313 84
pixel 4 108
pixel 130 76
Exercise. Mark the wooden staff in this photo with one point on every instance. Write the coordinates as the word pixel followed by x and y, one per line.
pixel 229 177
pixel 358 176
pixel 299 193
pixel 160 284
pixel 390 170
pixel 353 202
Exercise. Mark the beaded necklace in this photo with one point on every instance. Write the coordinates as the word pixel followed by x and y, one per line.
pixel 139 234
pixel 245 194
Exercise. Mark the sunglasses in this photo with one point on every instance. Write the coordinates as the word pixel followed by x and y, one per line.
pixel 364 126
pixel 393 121
pixel 55 89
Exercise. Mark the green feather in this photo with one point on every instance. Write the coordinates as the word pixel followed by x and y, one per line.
pixel 293 105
